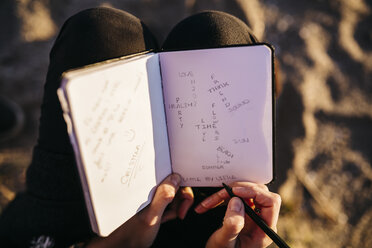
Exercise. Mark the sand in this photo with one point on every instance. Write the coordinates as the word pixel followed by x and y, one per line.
pixel 324 113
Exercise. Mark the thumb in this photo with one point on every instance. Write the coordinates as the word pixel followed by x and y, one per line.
pixel 164 195
pixel 233 223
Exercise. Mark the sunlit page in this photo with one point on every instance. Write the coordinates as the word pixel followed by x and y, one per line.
pixel 218 106
pixel 121 135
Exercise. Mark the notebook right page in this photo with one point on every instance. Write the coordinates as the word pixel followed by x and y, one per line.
pixel 219 109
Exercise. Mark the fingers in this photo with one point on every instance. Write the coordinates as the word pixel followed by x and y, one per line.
pixel 268 202
pixel 222 195
pixel 233 223
pixel 212 201
pixel 188 199
pixel 164 195
pixel 180 205
pixel 260 194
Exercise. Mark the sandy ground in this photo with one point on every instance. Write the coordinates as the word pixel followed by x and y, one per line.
pixel 324 114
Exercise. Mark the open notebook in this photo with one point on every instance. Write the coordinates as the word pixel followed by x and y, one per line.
pixel 206 114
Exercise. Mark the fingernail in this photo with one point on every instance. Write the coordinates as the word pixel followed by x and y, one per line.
pixel 235 204
pixel 176 179
pixel 198 208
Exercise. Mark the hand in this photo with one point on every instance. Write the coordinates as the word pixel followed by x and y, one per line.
pixel 169 202
pixel 238 229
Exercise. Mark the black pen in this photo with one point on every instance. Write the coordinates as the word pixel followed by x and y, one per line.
pixel 273 235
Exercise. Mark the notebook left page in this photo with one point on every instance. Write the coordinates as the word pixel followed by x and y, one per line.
pixel 119 136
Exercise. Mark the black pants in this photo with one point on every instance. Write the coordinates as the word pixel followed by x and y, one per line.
pixel 52 208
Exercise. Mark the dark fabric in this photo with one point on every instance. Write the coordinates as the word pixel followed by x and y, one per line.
pixel 53 203
pixel 27 218
pixel 207 30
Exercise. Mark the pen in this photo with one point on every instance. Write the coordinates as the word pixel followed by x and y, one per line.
pixel 257 219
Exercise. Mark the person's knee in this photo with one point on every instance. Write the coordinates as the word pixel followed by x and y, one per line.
pixel 209 29
pixel 101 33
pixel 101 20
